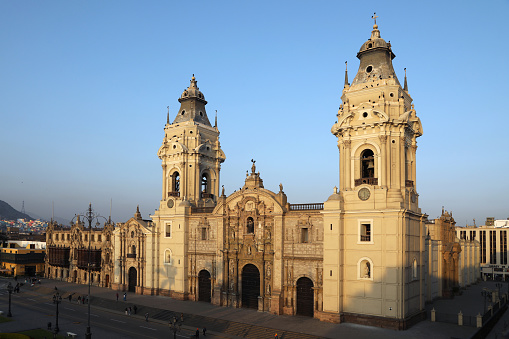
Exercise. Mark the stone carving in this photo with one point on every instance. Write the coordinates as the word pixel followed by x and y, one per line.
pixel 366 272
pixel 268 270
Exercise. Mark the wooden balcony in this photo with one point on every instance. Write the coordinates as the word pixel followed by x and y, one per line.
pixel 366 181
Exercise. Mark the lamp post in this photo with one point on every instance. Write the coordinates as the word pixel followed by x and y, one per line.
pixel 485 293
pixel 499 285
pixel 57 299
pixel 175 326
pixel 9 288
pixel 90 216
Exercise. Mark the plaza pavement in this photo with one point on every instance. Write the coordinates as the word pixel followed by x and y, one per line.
pixel 227 322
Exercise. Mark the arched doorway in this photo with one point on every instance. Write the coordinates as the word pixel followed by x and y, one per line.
pixel 132 279
pixel 204 286
pixel 107 282
pixel 250 286
pixel 305 297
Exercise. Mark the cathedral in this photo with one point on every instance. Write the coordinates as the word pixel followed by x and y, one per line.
pixel 361 256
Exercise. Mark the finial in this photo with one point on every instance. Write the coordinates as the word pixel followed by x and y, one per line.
pixel 335 190
pixel 406 84
pixel 253 168
pixel 346 74
pixel 374 16
pixel 280 188
pixel 168 115
pixel 215 124
pixel 222 190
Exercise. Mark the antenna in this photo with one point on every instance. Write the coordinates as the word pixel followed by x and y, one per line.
pixel 23 207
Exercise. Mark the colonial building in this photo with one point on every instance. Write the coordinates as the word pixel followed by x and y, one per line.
pixel 70 251
pixel 451 262
pixel 361 256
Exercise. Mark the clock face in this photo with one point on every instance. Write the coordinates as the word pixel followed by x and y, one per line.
pixel 170 203
pixel 364 193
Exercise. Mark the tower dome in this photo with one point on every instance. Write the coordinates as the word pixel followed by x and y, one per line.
pixel 375 57
pixel 192 105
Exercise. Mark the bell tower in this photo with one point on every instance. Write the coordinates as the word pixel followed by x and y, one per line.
pixel 373 226
pixel 377 129
pixel 191 154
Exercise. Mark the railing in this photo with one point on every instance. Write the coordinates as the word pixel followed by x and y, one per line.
pixel 168 234
pixel 174 194
pixel 365 238
pixel 367 181
pixel 207 195
pixel 306 207
pixel 409 183
pixel 131 255
pixel 202 209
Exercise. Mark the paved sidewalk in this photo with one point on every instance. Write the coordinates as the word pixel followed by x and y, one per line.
pixel 227 322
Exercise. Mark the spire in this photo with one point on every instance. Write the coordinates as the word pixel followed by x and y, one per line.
pixel 137 215
pixel 346 74
pixel 406 85
pixel 168 115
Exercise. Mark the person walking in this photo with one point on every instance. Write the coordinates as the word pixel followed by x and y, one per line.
pixel 135 309
pixel 182 317
pixel 197 333
pixel 146 316
pixel 126 311
pixel 125 296
pixel 117 296
pixel 204 331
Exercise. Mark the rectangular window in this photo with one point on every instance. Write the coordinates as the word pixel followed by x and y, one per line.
pixel 92 237
pixel 99 238
pixel 503 247
pixel 168 230
pixel 68 236
pixel 472 235
pixel 365 232
pixel 483 247
pixel 304 235
pixel 56 237
pixel 86 237
pixel 493 247
pixel 32 246
pixel 463 235
pixel 204 233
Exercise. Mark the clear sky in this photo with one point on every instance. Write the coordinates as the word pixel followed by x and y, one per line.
pixel 85 84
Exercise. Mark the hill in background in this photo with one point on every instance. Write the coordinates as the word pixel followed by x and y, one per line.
pixel 7 212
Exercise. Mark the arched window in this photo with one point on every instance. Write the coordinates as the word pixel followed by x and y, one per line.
pixel 250 225
pixel 175 182
pixel 205 183
pixel 133 250
pixel 367 164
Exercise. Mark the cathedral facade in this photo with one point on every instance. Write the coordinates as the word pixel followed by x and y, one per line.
pixel 359 257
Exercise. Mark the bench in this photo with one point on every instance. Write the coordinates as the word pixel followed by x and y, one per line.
pixel 71 335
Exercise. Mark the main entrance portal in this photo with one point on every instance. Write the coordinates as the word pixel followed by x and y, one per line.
pixel 132 279
pixel 250 286
pixel 305 297
pixel 204 286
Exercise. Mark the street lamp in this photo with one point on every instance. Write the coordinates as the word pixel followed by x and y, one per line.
pixel 57 299
pixel 90 216
pixel 485 293
pixel 175 326
pixel 9 288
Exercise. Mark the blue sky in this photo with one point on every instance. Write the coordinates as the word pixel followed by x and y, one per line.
pixel 85 85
